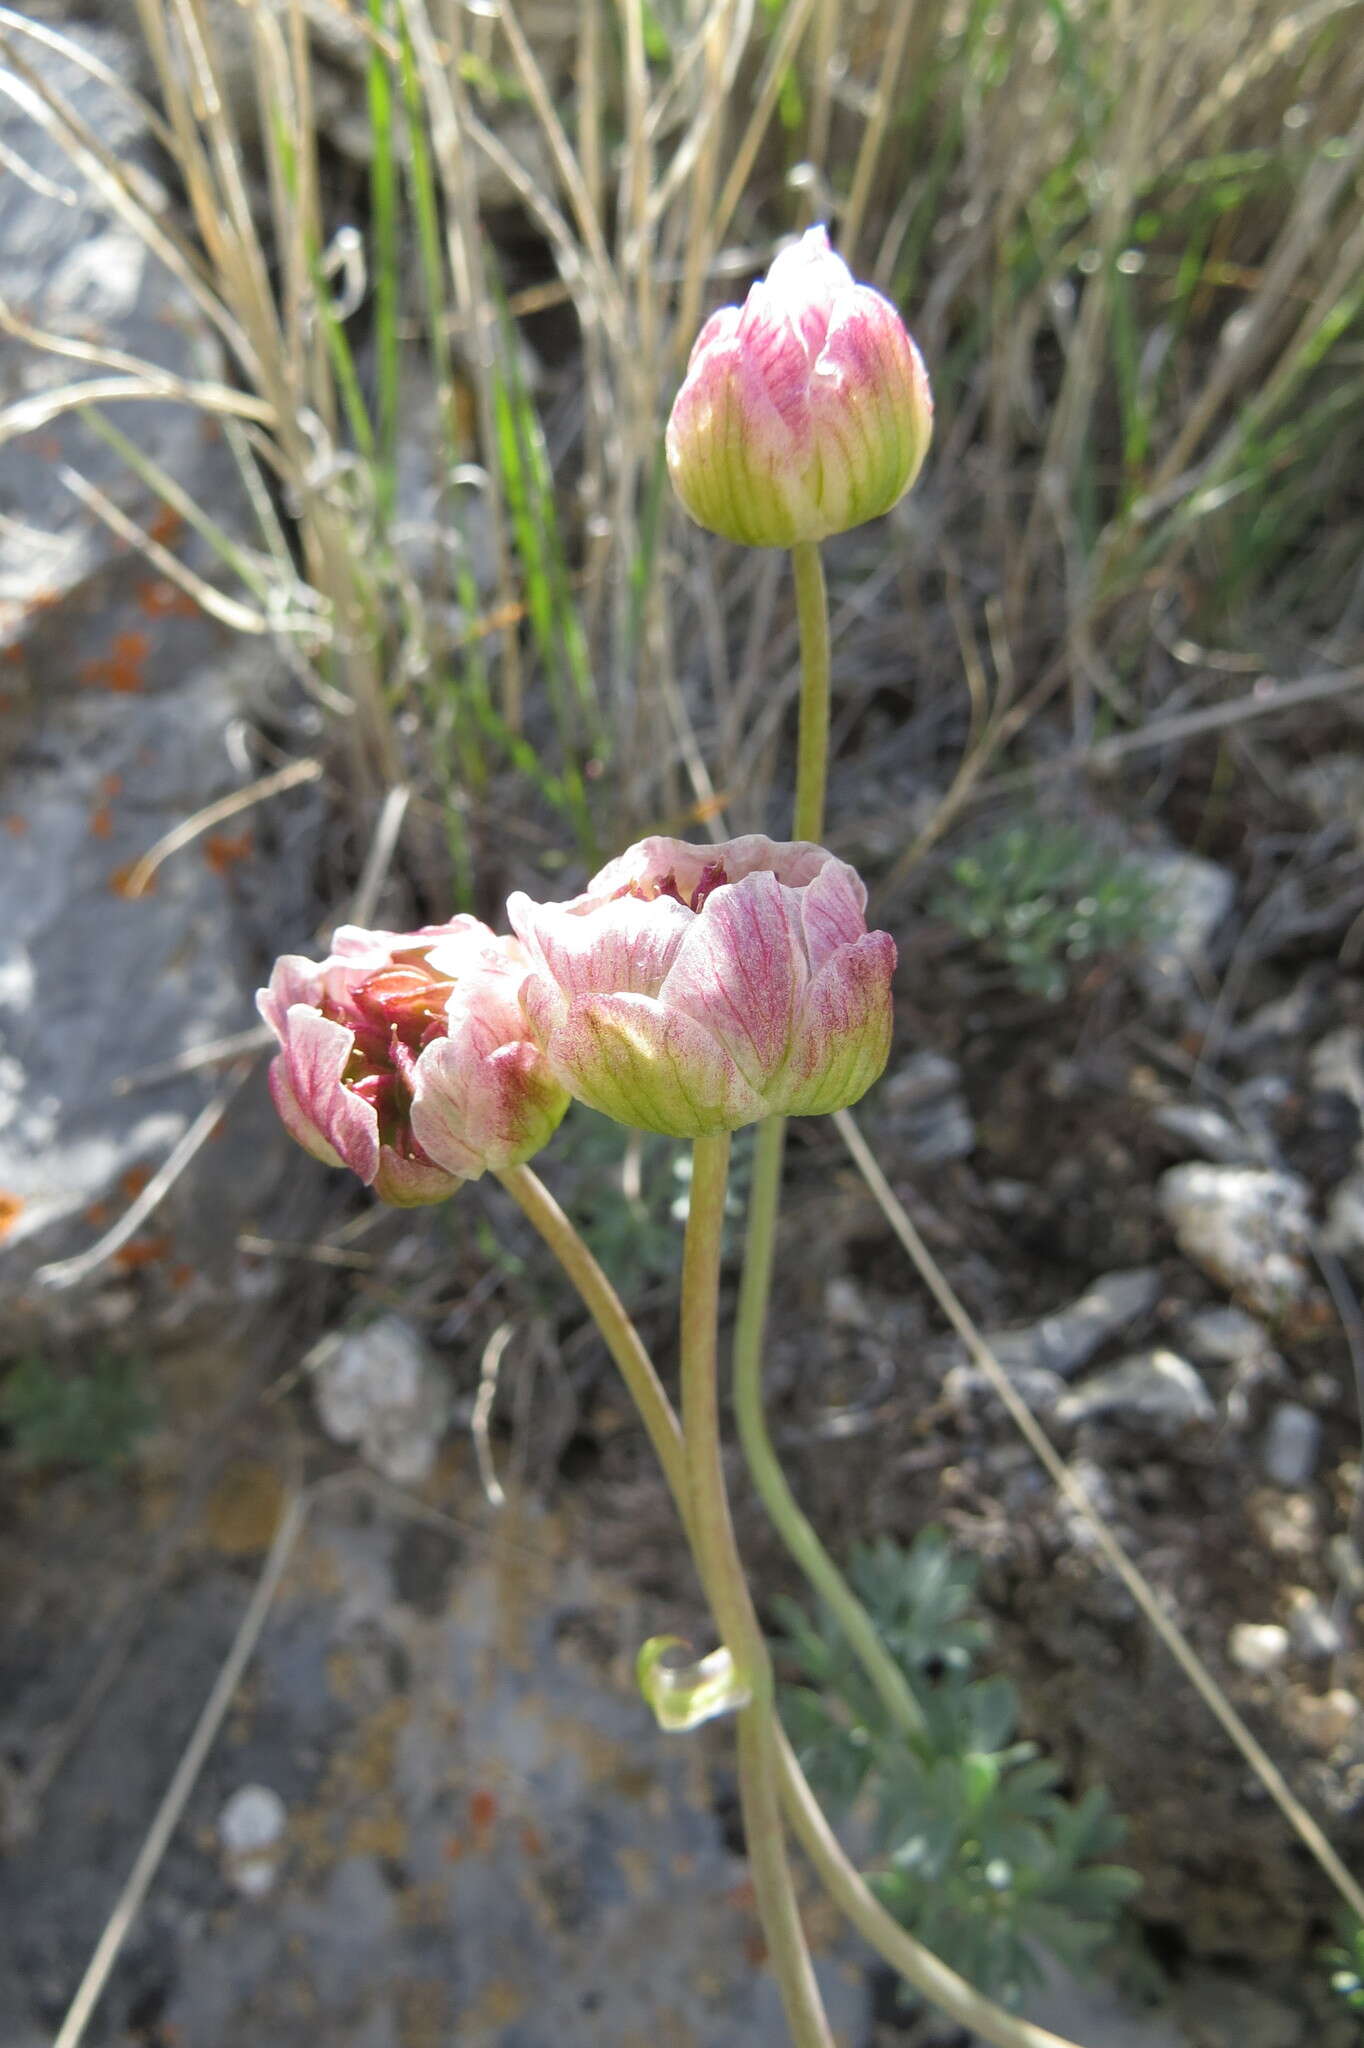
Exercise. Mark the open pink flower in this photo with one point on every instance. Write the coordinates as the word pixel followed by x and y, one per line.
pixel 692 989
pixel 804 412
pixel 404 1056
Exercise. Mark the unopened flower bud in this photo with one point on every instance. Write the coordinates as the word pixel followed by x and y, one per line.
pixel 804 412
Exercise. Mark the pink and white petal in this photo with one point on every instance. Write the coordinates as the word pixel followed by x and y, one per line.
pixel 645 865
pixel 651 1068
pixel 292 980
pixel 313 1101
pixel 715 332
pixel 741 972
pixel 412 1183
pixel 809 281
pixel 487 1003
pixel 544 1007
pixel 300 1127
pixel 843 1037
pixel 738 458
pixel 625 946
pixel 473 1109
pixel 794 862
pixel 833 911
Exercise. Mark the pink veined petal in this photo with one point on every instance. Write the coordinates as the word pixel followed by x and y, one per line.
pixel 833 911
pixel 292 980
pixel 842 1038
pixel 475 1108
pixel 741 972
pixel 652 1068
pixel 720 328
pixel 772 356
pixel 312 1099
pixel 809 281
pixel 625 946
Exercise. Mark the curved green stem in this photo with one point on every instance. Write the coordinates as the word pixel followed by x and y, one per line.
pixel 608 1312
pixel 812 757
pixel 722 1575
pixel 917 1964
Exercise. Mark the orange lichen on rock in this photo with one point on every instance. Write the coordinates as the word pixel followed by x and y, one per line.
pixel 159 598
pixel 11 1209
pixel 140 1252
pixel 121 670
pixel 121 877
pixel 222 850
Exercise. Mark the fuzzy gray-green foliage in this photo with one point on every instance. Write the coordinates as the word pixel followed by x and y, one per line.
pixel 92 1418
pixel 1046 897
pixel 976 1849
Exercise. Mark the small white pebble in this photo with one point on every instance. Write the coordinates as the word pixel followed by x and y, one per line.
pixel 1258 1646
pixel 250 1828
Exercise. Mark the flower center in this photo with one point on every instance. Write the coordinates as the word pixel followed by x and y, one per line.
pixel 392 1014
pixel 713 877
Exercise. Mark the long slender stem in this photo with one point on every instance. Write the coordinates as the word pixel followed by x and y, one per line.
pixel 764 1204
pixel 812 757
pixel 764 1465
pixel 918 1965
pixel 722 1574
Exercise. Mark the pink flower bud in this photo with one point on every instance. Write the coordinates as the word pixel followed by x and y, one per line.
pixel 692 989
pixel 803 413
pixel 404 1056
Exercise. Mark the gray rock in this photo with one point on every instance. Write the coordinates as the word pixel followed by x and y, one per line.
pixel 1063 1342
pixel 1258 1647
pixel 933 1123
pixel 117 723
pixel 1336 1064
pixel 966 1387
pixel 1286 1016
pixel 381 1389
pixel 1292 1445
pixel 1343 1231
pixel 1218 2008
pixel 1226 1336
pixel 1246 1228
pixel 1208 1133
pixel 1192 898
pixel 1315 1633
pixel 1332 788
pixel 488 1840
pixel 1086 2009
pixel 1157 1389
pixel 72 267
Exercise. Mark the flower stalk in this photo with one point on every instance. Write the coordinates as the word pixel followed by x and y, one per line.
pixel 722 1575
pixel 764 1208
